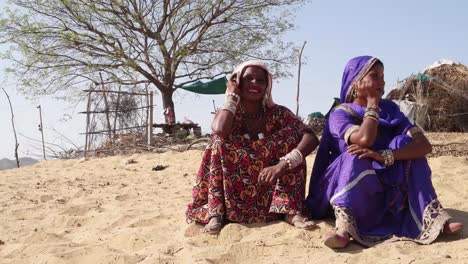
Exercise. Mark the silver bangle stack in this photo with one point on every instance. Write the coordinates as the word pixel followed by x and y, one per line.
pixel 293 158
pixel 231 102
pixel 371 114
pixel 389 159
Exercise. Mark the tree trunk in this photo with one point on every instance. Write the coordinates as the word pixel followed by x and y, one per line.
pixel 168 106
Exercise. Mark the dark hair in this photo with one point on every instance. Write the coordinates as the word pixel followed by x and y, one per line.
pixel 378 62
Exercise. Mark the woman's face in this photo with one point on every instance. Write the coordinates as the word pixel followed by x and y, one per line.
pixel 253 84
pixel 373 83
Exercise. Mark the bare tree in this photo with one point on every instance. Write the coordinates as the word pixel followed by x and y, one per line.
pixel 57 44
pixel 14 129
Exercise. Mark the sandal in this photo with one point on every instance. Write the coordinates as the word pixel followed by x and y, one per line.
pixel 335 241
pixel 300 221
pixel 453 228
pixel 214 226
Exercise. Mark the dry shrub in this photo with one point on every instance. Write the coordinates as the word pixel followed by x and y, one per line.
pixel 131 143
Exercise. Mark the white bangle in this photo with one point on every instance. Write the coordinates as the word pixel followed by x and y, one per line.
pixel 234 95
pixel 230 105
pixel 293 158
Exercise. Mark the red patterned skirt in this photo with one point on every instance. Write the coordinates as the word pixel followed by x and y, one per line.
pixel 227 185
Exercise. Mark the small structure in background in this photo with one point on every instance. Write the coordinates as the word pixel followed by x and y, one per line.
pixel 120 121
pixel 113 116
pixel 437 98
pixel 316 120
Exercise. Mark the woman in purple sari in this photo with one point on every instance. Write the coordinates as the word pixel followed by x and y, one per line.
pixel 370 170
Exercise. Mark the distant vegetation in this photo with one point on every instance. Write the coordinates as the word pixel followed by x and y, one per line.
pixel 10 164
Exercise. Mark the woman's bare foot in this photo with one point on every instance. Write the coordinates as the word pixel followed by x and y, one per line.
pixel 453 228
pixel 336 240
pixel 300 221
pixel 214 226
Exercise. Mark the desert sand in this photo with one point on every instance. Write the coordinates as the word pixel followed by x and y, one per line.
pixel 118 210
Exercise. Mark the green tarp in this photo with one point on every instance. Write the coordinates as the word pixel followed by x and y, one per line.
pixel 216 86
pixel 423 77
pixel 316 115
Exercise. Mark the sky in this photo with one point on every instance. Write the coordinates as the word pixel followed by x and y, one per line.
pixel 407 36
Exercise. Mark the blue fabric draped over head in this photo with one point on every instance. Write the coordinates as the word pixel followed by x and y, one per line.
pixel 355 70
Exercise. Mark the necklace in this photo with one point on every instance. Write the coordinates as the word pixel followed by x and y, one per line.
pixel 253 130
pixel 255 127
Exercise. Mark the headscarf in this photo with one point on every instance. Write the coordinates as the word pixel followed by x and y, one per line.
pixel 267 99
pixel 354 71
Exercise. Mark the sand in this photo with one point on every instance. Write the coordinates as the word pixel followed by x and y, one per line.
pixel 117 210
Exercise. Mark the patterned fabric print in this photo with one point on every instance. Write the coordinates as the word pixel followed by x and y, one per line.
pixel 345 221
pixel 434 218
pixel 226 184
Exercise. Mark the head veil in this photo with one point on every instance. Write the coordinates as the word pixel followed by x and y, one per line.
pixel 240 69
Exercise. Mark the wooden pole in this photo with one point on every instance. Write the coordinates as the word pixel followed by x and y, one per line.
pixel 117 110
pixel 107 107
pixel 299 77
pixel 214 106
pixel 41 128
pixel 150 118
pixel 87 124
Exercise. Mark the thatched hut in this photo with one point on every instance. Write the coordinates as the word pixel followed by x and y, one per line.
pixel 439 95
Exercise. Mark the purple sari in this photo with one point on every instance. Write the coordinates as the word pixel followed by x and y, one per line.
pixel 372 202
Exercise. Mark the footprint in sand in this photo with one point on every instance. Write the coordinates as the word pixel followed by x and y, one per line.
pixel 193 230
pixel 122 198
pixel 45 198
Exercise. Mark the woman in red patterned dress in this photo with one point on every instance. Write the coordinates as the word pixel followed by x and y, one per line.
pixel 254 170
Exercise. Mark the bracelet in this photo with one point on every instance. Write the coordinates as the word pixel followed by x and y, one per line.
pixel 293 158
pixel 372 117
pixel 230 105
pixel 372 114
pixel 389 159
pixel 374 108
pixel 235 96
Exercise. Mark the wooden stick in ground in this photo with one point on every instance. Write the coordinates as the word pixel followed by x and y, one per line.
pixel 299 77
pixel 88 107
pixel 104 94
pixel 117 108
pixel 14 129
pixel 151 117
pixel 149 124
pixel 41 128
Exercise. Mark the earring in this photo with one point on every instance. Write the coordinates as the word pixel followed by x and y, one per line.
pixel 354 94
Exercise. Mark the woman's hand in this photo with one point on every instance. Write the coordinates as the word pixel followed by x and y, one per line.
pixel 367 90
pixel 365 153
pixel 233 85
pixel 269 175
